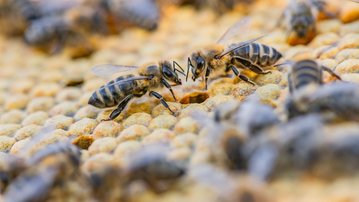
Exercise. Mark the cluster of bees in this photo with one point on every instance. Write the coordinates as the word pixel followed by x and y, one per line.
pixel 53 25
pixel 59 164
pixel 257 57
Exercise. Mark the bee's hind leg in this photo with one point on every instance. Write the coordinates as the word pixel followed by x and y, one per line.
pixel 163 101
pixel 331 72
pixel 115 113
pixel 240 76
pixel 168 86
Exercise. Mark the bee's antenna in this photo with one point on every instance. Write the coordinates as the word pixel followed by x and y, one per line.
pixel 189 64
pixel 174 66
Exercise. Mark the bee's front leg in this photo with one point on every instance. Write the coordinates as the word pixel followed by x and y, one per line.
pixel 162 100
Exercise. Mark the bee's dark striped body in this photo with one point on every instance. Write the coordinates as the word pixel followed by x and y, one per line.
pixel 303 73
pixel 46 29
pixel 302 19
pixel 110 94
pixel 255 54
pixel 144 13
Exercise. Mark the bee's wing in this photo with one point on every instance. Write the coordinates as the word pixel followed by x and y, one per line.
pixel 234 30
pixel 108 70
pixel 240 45
pixel 126 80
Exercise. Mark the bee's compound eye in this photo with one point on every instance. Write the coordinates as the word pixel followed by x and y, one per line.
pixel 200 62
pixel 167 73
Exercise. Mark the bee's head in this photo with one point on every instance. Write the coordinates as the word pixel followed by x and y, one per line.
pixel 168 72
pixel 198 63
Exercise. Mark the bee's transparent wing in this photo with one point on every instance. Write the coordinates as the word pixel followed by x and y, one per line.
pixel 126 80
pixel 236 29
pixel 240 45
pixel 108 70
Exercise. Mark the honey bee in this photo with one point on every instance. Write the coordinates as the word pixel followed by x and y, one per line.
pixel 247 54
pixel 339 148
pixel 305 72
pixel 50 166
pixel 300 18
pixel 239 114
pixel 334 101
pixel 226 142
pixel 143 13
pixel 219 6
pixel 54 32
pixel 10 167
pixel 286 147
pixel 121 90
pixel 228 187
pixel 151 166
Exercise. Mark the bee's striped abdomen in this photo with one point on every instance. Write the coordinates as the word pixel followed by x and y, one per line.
pixel 305 72
pixel 112 93
pixel 259 54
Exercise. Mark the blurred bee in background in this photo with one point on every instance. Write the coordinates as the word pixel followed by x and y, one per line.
pixel 239 114
pixel 225 141
pixel 121 90
pixel 151 166
pixel 47 168
pixel 299 19
pixel 21 13
pixel 248 54
pixel 10 167
pixel 142 13
pixel 71 28
pixel 219 6
pixel 228 187
pixel 305 72
pixel 52 25
pixel 335 101
pixel 304 78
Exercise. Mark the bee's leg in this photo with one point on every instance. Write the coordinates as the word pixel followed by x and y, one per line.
pixel 163 101
pixel 114 114
pixel 331 72
pixel 257 69
pixel 167 85
pixel 242 77
pixel 208 72
pixel 250 65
